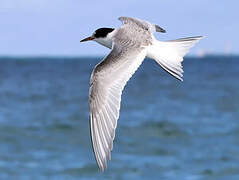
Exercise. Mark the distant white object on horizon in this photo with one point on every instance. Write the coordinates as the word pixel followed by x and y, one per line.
pixel 130 44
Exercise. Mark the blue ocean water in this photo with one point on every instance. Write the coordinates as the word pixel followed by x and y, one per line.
pixel 167 129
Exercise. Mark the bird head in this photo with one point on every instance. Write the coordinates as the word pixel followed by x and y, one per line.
pixel 102 35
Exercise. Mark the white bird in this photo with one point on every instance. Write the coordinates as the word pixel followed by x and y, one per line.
pixel 130 44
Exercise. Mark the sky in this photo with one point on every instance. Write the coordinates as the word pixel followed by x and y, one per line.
pixel 55 27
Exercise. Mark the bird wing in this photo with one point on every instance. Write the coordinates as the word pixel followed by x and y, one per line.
pixel 142 24
pixel 107 83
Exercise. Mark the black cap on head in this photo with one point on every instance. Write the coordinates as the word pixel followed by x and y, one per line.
pixel 102 32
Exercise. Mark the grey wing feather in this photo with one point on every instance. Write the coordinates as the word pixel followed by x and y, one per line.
pixel 139 23
pixel 107 82
pixel 142 24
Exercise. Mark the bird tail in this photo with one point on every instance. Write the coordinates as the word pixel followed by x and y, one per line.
pixel 169 54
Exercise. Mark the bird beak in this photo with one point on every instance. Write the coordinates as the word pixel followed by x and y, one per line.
pixel 87 39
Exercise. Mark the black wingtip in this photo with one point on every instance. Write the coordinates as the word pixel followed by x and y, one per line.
pixel 159 29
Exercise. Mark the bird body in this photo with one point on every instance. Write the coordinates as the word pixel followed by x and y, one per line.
pixel 130 44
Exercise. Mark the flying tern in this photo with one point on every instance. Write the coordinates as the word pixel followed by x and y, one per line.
pixel 129 45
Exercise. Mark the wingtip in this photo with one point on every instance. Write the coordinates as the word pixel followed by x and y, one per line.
pixel 159 29
pixel 102 168
pixel 200 37
pixel 180 79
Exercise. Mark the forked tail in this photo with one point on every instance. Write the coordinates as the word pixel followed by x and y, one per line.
pixel 169 54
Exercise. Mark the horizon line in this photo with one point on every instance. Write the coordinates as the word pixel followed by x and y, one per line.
pixel 94 56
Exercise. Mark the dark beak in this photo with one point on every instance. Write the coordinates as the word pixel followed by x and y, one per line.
pixel 87 39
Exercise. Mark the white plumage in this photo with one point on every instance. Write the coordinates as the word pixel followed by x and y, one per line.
pixel 130 44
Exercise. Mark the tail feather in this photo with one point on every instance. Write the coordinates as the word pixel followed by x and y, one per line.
pixel 169 54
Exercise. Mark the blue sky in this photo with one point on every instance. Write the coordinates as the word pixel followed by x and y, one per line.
pixel 55 27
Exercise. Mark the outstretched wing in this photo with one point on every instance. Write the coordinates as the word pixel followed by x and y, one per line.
pixel 142 24
pixel 107 83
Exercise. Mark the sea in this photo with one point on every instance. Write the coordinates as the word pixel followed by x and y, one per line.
pixel 167 130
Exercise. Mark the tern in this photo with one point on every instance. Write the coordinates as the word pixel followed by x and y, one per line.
pixel 129 45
